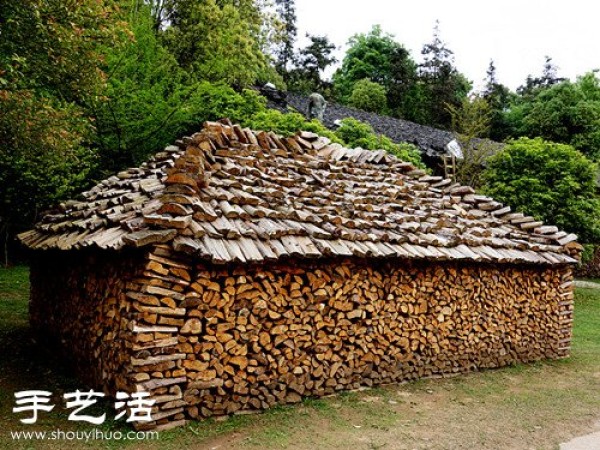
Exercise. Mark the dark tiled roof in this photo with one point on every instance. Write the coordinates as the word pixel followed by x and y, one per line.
pixel 431 141
pixel 230 194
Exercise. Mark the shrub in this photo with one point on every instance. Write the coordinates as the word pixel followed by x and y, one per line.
pixel 215 101
pixel 552 182
pixel 368 96
pixel 358 134
pixel 286 124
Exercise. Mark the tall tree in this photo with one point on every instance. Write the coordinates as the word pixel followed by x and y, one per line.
pixel 288 31
pixel 470 124
pixel 376 56
pixel 147 99
pixel 553 182
pixel 219 40
pixel 403 92
pixel 310 65
pixel 498 97
pixel 52 72
pixel 548 78
pixel 443 85
pixel 161 11
pixel 565 112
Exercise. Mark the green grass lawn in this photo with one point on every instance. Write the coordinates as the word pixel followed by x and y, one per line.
pixel 533 406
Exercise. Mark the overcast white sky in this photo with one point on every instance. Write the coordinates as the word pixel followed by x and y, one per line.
pixel 516 34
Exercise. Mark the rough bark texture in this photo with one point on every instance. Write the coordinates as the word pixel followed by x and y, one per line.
pixel 209 340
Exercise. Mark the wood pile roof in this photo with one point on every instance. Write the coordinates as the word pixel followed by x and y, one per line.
pixel 229 194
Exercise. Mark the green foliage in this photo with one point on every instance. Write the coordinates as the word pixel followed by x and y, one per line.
pixel 499 99
pixel 565 112
pixel 148 102
pixel 43 157
pixel 552 182
pixel 535 85
pixel 470 123
pixel 588 253
pixel 417 95
pixel 286 124
pixel 375 56
pixel 219 41
pixel 358 134
pixel 216 101
pixel 51 74
pixel 286 35
pixel 310 65
pixel 368 96
pixel 441 82
pixel 54 47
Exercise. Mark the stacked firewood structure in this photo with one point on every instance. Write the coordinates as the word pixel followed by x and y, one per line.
pixel 238 270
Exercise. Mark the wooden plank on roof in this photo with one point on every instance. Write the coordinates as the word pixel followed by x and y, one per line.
pixel 308 246
pixel 279 249
pixel 148 237
pixel 265 249
pixel 292 246
pixel 340 248
pixel 216 249
pixel 250 250
pixel 234 250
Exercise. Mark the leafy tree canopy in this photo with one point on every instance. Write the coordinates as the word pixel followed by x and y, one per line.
pixel 552 182
pixel 565 112
pixel 148 99
pixel 311 62
pixel 369 56
pixel 286 34
pixel 442 84
pixel 52 72
pixel 499 98
pixel 219 41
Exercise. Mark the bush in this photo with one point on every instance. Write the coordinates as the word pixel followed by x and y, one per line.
pixel 216 101
pixel 552 182
pixel 358 134
pixel 286 124
pixel 368 96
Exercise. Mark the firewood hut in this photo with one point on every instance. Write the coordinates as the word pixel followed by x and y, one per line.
pixel 238 270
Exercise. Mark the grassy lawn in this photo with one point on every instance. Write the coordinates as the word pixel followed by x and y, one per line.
pixel 522 407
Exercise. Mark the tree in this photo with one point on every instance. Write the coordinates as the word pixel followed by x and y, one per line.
pixel 368 56
pixel 548 78
pixel 311 62
pixel 148 101
pixel 368 96
pixel 442 84
pixel 160 10
pixel 378 57
pixel 51 75
pixel 565 112
pixel 403 92
pixel 552 182
pixel 219 41
pixel 471 123
pixel 56 47
pixel 285 54
pixel 498 98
